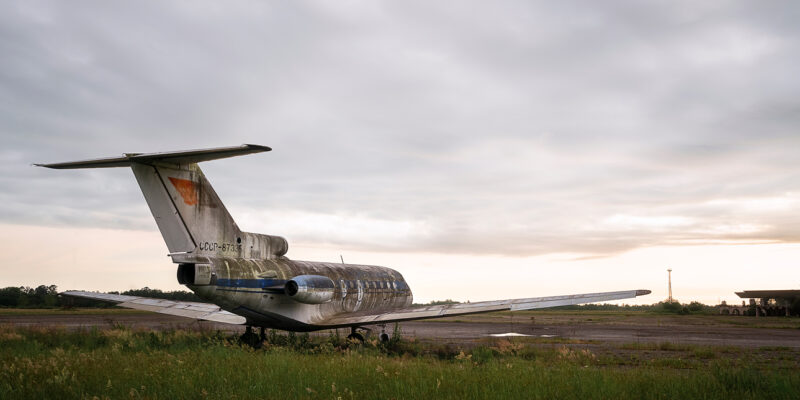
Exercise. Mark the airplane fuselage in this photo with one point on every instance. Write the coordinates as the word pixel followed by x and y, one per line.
pixel 255 289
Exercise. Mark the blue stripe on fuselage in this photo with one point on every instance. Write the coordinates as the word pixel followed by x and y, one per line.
pixel 250 283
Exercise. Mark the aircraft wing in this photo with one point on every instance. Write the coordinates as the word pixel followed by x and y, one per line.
pixel 449 310
pixel 204 311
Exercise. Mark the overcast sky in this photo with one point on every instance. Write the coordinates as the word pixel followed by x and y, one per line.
pixel 504 131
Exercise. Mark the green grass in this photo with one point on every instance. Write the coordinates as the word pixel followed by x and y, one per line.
pixel 123 363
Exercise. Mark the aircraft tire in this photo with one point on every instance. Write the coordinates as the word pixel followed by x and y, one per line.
pixel 355 336
pixel 250 338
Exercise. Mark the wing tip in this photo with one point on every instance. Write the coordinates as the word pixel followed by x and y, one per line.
pixel 642 292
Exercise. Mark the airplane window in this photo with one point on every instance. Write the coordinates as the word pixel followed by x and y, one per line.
pixel 394 285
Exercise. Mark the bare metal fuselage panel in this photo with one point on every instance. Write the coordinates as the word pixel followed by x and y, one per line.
pixel 254 289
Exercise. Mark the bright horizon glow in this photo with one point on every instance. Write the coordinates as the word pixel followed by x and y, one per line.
pixel 107 259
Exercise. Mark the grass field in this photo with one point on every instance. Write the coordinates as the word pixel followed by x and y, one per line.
pixel 124 363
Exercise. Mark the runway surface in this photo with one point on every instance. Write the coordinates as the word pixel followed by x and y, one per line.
pixel 705 330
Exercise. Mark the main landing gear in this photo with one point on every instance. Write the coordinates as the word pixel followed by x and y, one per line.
pixel 252 339
pixel 384 336
pixel 355 336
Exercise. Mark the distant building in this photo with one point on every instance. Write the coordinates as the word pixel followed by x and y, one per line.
pixel 727 309
pixel 770 302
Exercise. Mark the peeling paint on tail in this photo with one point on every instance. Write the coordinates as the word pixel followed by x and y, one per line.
pixel 187 190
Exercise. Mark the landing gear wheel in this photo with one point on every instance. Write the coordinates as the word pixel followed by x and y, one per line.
pixel 250 338
pixel 355 336
pixel 384 337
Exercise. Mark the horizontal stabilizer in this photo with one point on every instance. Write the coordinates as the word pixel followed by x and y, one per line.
pixel 170 157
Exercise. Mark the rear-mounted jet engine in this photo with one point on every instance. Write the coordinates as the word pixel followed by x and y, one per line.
pixel 310 289
pixel 194 274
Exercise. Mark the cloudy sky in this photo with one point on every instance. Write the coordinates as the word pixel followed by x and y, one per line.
pixel 484 149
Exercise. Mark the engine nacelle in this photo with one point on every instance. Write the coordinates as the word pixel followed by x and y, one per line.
pixel 310 289
pixel 194 274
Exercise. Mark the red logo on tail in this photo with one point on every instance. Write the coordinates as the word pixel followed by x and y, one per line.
pixel 187 190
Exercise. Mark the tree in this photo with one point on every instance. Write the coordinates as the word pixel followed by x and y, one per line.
pixel 9 297
pixel 696 306
pixel 671 307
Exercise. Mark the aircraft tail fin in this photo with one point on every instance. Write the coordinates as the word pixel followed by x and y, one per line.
pixel 191 217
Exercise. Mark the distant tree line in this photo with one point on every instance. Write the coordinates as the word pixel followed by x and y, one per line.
pixel 663 307
pixel 41 296
pixel 44 296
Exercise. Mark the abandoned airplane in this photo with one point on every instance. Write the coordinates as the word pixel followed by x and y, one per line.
pixel 247 278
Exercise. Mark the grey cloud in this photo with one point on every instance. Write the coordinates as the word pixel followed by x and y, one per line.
pixel 505 128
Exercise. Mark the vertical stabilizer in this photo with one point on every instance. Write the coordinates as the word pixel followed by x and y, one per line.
pixel 188 211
